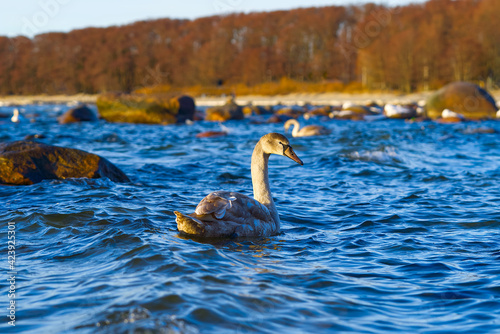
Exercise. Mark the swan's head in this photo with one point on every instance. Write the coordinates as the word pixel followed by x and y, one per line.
pixel 275 143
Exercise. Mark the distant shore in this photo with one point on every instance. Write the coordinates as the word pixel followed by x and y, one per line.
pixel 47 99
pixel 290 99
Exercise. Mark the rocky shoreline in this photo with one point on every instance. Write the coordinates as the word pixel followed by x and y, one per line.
pixel 290 99
pixel 316 99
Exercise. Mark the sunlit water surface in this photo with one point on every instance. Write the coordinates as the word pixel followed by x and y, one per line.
pixel 388 227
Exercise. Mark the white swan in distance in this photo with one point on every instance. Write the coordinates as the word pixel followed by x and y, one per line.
pixel 16 117
pixel 306 131
pixel 226 214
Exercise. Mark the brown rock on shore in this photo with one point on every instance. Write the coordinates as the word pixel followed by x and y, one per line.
pixel 467 99
pixel 227 112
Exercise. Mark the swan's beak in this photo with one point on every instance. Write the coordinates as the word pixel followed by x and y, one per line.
pixel 288 152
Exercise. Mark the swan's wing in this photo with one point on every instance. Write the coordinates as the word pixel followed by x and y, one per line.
pixel 231 206
pixel 214 204
pixel 223 214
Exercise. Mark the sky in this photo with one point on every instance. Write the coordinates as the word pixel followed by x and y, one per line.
pixel 33 17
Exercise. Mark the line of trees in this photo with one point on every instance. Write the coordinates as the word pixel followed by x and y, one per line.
pixel 406 48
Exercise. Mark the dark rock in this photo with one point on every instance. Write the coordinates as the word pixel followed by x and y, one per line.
pixel 318 111
pixel 464 98
pixel 358 109
pixel 290 111
pixel 279 118
pixel 79 114
pixel 251 110
pixel 28 162
pixel 187 109
pixel 227 112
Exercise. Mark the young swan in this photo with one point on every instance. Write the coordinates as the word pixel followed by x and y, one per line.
pixel 226 214
pixel 306 131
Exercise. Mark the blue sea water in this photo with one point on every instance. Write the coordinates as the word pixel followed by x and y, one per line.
pixel 389 227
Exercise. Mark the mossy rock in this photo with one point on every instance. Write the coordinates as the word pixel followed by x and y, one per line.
pixel 464 98
pixel 146 109
pixel 78 114
pixel 28 162
pixel 279 118
pixel 347 115
pixel 320 111
pixel 229 111
pixel 250 110
pixel 358 109
pixel 292 112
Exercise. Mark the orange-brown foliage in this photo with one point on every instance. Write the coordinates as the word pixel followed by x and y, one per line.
pixel 314 49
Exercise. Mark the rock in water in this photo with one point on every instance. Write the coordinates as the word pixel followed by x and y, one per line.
pixel 464 98
pixel 187 109
pixel 79 114
pixel 28 162
pixel 146 108
pixel 399 111
pixel 227 112
pixel 250 110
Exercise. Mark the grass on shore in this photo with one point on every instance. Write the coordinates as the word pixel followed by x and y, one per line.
pixel 283 87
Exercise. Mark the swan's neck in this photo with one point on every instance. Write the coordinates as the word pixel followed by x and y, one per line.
pixel 296 127
pixel 260 181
